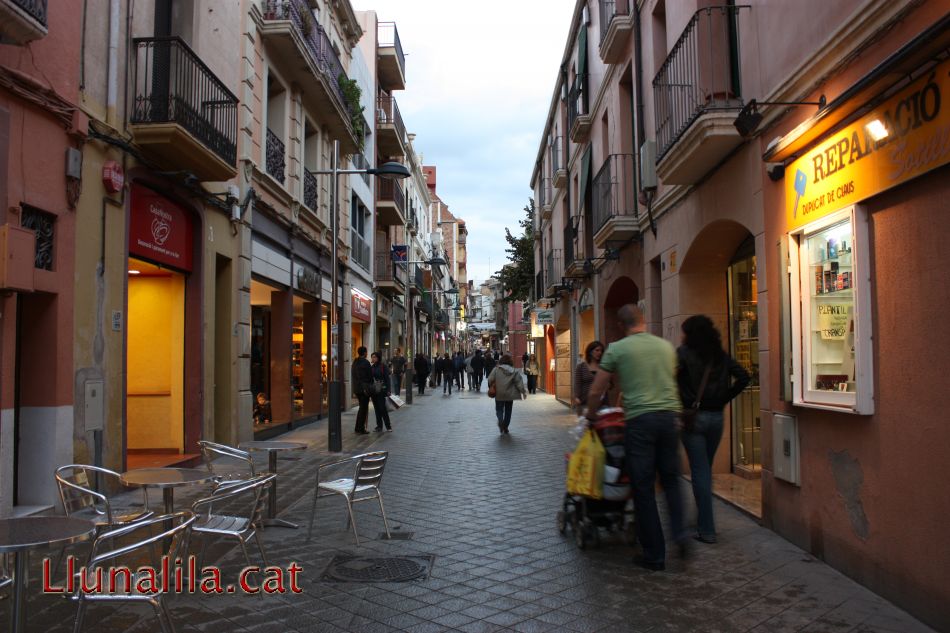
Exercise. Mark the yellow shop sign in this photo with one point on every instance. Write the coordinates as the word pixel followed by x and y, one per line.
pixel 851 165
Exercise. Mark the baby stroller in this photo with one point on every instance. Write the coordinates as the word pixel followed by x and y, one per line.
pixel 587 516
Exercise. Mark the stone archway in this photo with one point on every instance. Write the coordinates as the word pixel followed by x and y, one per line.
pixel 622 291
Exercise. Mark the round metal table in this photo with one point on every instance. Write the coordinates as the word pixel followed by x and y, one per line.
pixel 272 448
pixel 167 479
pixel 21 534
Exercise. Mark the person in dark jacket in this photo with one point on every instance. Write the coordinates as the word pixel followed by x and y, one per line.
pixel 702 349
pixel 380 377
pixel 397 365
pixel 478 369
pixel 448 374
pixel 458 367
pixel 361 375
pixel 421 366
pixel 489 363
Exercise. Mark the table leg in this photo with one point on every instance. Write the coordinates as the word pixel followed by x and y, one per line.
pixel 272 520
pixel 17 616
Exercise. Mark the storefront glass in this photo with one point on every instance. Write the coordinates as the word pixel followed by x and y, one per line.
pixel 744 348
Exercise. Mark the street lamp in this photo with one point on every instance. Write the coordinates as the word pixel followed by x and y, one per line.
pixel 434 261
pixel 389 171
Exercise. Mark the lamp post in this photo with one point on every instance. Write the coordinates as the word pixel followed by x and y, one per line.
pixel 434 261
pixel 390 171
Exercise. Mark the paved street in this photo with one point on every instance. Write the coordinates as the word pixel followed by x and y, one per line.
pixel 479 510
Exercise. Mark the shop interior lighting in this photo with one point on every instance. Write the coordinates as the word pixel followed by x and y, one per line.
pixel 877 130
pixel 135 272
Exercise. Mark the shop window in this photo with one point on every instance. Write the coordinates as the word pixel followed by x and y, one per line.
pixel 831 332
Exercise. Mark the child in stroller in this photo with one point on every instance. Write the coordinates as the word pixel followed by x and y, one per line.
pixel 586 515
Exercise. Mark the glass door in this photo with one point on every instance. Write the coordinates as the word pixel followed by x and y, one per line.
pixel 744 347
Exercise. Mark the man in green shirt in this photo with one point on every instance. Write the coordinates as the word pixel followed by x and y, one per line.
pixel 645 370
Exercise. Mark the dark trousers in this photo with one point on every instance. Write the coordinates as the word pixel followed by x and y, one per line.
pixel 478 380
pixel 503 413
pixel 421 382
pixel 379 407
pixel 397 383
pixel 459 378
pixel 532 383
pixel 447 383
pixel 651 445
pixel 361 413
pixel 471 380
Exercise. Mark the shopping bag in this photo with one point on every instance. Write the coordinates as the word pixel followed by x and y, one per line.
pixel 585 470
pixel 395 401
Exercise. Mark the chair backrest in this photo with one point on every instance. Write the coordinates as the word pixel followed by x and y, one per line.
pixel 369 471
pixel 255 487
pixel 226 461
pixel 77 492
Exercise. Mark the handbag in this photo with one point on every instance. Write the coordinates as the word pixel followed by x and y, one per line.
pixel 491 390
pixel 688 416
pixel 378 387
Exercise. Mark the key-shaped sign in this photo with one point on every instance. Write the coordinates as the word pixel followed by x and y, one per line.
pixel 800 181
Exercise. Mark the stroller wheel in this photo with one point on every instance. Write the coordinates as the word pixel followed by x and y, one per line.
pixel 561 521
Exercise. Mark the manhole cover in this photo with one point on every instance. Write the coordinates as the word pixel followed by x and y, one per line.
pixel 369 569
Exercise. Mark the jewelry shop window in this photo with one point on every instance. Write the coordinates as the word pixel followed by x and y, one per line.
pixel 831 331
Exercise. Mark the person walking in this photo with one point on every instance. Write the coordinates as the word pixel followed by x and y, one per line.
pixel 701 354
pixel 524 361
pixel 478 369
pixel 470 372
pixel 645 367
pixel 448 368
pixel 533 370
pixel 421 366
pixel 380 392
pixel 584 374
pixel 361 377
pixel 458 364
pixel 397 365
pixel 509 386
pixel 489 362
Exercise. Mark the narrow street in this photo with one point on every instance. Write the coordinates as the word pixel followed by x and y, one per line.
pixel 477 510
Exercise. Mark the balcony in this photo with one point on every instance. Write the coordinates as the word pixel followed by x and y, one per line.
pixel 545 198
pixel 388 275
pixel 305 55
pixel 696 95
pixel 359 250
pixel 390 203
pixel 275 159
pixel 22 21
pixel 441 319
pixel 310 190
pixel 390 60
pixel 384 307
pixel 616 25
pixel 412 225
pixel 390 130
pixel 578 119
pixel 560 173
pixel 553 273
pixel 359 162
pixel 182 114
pixel 418 281
pixel 615 201
pixel 574 255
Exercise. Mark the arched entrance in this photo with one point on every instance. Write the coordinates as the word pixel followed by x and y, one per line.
pixel 622 291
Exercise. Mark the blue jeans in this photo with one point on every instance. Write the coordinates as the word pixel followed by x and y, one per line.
pixel 503 412
pixel 701 447
pixel 651 444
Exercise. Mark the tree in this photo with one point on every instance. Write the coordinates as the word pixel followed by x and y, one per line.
pixel 517 278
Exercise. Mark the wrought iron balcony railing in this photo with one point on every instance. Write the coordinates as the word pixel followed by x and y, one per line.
pixel 173 85
pixel 387 113
pixel 35 8
pixel 390 191
pixel 310 190
pixel 575 103
pixel 275 156
pixel 387 35
pixel 553 272
pixel 701 74
pixel 609 9
pixel 359 249
pixel 544 192
pixel 614 190
pixel 555 154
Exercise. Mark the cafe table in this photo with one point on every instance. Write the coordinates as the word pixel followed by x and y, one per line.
pixel 167 479
pixel 19 535
pixel 273 448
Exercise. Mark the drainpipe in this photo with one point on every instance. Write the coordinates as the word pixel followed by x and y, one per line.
pixel 112 75
pixel 638 133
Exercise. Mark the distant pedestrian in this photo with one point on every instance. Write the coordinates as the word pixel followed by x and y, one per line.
pixel 509 386
pixel 645 367
pixel 421 366
pixel 524 360
pixel 533 370
pixel 478 369
pixel 458 364
pixel 448 369
pixel 397 365
pixel 470 372
pixel 489 363
pixel 361 377
pixel 379 395
pixel 584 374
pixel 701 354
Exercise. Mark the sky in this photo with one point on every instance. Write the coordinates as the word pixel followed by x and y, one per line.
pixel 479 82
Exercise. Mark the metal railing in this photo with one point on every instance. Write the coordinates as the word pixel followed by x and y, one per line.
pixel 575 102
pixel 571 253
pixel 36 8
pixel 553 271
pixel 359 162
pixel 387 113
pixel 173 85
pixel 391 191
pixel 609 9
pixel 315 39
pixel 555 154
pixel 387 35
pixel 614 190
pixel 700 74
pixel 275 156
pixel 359 249
pixel 544 192
pixel 310 190
pixel 387 270
pixel 418 279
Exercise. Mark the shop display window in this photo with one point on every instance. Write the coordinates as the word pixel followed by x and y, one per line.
pixel 832 357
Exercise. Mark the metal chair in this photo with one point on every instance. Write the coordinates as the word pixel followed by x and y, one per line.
pixel 81 499
pixel 363 485
pixel 229 465
pixel 173 530
pixel 241 525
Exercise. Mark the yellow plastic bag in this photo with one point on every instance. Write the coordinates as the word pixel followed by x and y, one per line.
pixel 585 470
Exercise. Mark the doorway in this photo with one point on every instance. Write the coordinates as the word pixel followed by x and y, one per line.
pixel 744 348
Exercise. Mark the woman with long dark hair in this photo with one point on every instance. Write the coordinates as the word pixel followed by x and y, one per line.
pixel 584 374
pixel 379 395
pixel 701 354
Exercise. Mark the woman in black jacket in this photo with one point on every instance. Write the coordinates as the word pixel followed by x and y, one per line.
pixel 421 367
pixel 380 378
pixel 701 351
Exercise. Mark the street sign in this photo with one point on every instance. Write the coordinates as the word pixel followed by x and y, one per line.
pixel 400 253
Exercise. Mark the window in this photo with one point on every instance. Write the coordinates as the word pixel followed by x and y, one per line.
pixel 831 331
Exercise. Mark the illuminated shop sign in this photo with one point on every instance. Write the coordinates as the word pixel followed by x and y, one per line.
pixel 160 230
